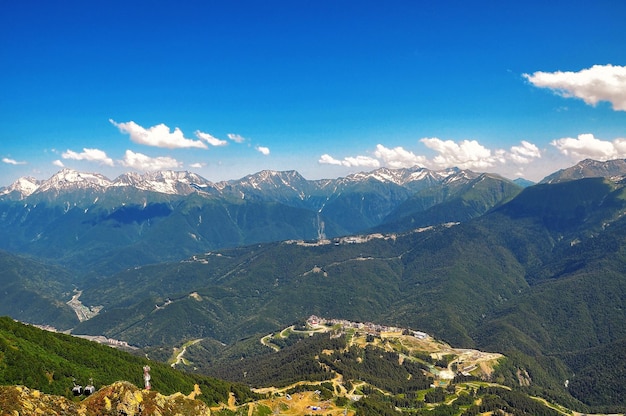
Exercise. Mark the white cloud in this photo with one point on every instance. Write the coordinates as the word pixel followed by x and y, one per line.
pixel 213 141
pixel 356 161
pixel 12 161
pixel 91 155
pixel 197 165
pixel 361 161
pixel 327 159
pixel 263 150
pixel 142 162
pixel 236 138
pixel 158 136
pixel 525 153
pixel 58 163
pixel 587 146
pixel 398 157
pixel 592 85
pixel 467 154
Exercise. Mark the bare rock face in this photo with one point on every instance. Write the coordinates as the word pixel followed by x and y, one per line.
pixel 120 398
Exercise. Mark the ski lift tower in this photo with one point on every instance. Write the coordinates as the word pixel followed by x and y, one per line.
pixel 146 376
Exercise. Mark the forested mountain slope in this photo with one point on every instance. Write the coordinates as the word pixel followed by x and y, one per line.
pixel 53 363
pixel 541 276
pixel 35 292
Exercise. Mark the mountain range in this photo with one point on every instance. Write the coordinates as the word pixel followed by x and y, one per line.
pixel 535 273
pixel 95 225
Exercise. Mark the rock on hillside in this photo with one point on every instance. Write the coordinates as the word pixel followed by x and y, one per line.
pixel 20 400
pixel 120 398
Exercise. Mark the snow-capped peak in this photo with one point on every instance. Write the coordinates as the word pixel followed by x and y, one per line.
pixel 68 179
pixel 268 179
pixel 167 182
pixel 22 187
pixel 267 184
pixel 403 176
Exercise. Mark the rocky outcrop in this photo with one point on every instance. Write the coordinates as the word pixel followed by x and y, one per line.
pixel 120 398
pixel 20 400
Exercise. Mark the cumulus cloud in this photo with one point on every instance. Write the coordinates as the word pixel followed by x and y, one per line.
pixel 158 136
pixel 263 150
pixel 592 85
pixel 91 155
pixel 467 154
pixel 398 157
pixel 142 162
pixel 356 161
pixel 58 163
pixel 197 165
pixel 12 161
pixel 236 138
pixel 525 153
pixel 587 146
pixel 362 161
pixel 213 141
pixel 327 159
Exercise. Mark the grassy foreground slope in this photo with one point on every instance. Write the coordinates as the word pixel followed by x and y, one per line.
pixel 51 362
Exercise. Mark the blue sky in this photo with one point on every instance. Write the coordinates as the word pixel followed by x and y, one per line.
pixel 327 88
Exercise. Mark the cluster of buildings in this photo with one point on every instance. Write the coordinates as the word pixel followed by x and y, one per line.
pixel 369 327
pixel 107 341
pixel 356 239
pixel 96 338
